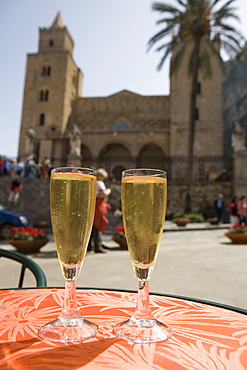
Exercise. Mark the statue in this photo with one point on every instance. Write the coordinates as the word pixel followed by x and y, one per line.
pixel 75 141
pixel 238 138
pixel 30 138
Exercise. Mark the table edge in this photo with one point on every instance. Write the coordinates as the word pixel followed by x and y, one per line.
pixel 197 300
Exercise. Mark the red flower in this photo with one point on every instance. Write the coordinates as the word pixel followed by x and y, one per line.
pixel 119 231
pixel 26 233
pixel 120 228
pixel 238 229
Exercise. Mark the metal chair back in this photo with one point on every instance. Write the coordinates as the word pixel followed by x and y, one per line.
pixel 26 263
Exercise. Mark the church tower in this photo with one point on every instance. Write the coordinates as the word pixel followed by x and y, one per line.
pixel 208 144
pixel 53 82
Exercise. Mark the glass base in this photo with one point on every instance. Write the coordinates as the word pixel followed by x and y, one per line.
pixel 142 330
pixel 68 330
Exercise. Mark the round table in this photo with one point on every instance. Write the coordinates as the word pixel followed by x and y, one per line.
pixel 205 337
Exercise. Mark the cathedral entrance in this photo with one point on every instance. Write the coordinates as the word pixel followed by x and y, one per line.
pixel 152 156
pixel 115 158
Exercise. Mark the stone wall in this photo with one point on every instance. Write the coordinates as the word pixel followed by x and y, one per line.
pixel 34 201
pixel 240 173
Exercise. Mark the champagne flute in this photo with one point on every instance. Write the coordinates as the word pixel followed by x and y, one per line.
pixel 72 204
pixel 144 193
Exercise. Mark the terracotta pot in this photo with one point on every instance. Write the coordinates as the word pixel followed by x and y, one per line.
pixel 121 241
pixel 28 246
pixel 213 222
pixel 237 238
pixel 181 222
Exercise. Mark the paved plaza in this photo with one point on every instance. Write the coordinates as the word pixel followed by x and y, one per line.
pixel 199 262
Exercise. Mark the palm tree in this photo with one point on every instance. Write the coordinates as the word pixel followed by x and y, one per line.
pixel 204 25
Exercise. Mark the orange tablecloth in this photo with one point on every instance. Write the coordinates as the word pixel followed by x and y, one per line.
pixel 204 337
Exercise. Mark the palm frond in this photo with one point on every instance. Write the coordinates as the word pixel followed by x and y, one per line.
pixel 225 14
pixel 215 50
pixel 160 35
pixel 206 64
pixel 198 19
pixel 182 3
pixel 177 59
pixel 168 51
pixel 164 8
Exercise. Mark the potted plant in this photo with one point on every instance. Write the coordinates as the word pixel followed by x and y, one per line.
pixel 213 221
pixel 237 234
pixel 181 221
pixel 119 237
pixel 27 239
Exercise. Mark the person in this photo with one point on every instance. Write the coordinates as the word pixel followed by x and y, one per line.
pixel 30 167
pixel 101 209
pixel 219 206
pixel 46 168
pixel 234 219
pixel 242 210
pixel 15 189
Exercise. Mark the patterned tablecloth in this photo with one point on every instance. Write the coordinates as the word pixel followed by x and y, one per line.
pixel 204 337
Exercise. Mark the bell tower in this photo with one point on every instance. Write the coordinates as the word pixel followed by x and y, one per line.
pixel 53 82
pixel 208 143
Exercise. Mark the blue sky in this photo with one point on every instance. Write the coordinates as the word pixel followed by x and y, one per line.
pixel 110 48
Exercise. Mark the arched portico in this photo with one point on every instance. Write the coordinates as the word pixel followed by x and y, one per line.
pixel 152 156
pixel 114 158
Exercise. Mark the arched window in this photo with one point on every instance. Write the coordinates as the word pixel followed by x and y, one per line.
pixel 41 119
pixel 44 95
pixel 51 42
pixel 46 70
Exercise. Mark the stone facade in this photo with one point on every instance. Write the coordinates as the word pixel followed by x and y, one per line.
pixel 240 173
pixel 119 131
pixel 35 199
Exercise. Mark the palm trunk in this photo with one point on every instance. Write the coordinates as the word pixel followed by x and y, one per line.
pixel 192 124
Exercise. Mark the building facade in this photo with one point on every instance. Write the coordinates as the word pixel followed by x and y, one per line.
pixel 119 131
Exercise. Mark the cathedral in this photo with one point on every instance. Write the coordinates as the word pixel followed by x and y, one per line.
pixel 123 130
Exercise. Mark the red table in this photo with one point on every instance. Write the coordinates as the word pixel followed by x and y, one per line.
pixel 205 337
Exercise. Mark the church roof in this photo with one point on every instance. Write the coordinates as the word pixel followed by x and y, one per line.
pixel 126 93
pixel 58 22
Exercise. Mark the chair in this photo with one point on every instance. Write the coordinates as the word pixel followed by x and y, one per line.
pixel 26 263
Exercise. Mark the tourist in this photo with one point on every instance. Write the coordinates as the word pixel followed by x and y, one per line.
pixel 15 189
pixel 46 168
pixel 242 210
pixel 234 219
pixel 101 209
pixel 219 206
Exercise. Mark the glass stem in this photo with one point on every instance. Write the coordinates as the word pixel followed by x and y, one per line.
pixel 142 308
pixel 69 304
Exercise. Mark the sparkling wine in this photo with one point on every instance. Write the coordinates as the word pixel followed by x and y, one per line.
pixel 144 209
pixel 72 210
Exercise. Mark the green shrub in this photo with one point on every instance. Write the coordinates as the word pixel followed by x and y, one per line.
pixel 179 214
pixel 193 217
